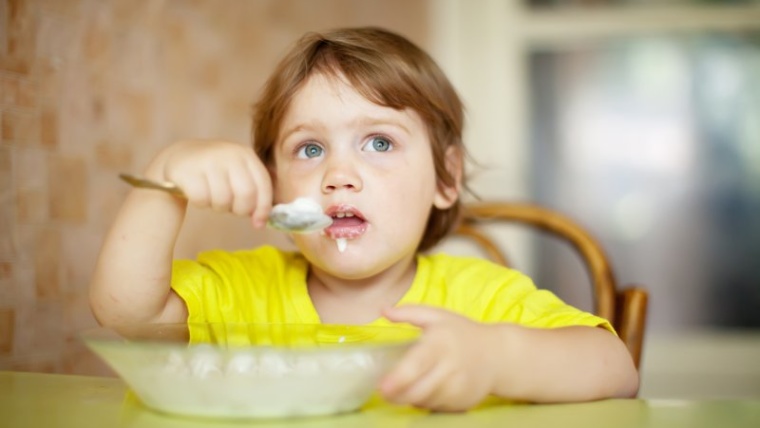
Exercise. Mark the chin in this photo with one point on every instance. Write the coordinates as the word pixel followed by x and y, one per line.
pixel 347 265
pixel 346 273
pixel 360 259
pixel 319 246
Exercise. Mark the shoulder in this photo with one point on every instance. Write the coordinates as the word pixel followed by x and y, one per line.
pixel 473 278
pixel 442 265
pixel 266 255
pixel 478 288
pixel 490 292
pixel 262 261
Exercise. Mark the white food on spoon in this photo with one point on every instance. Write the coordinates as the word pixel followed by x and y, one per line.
pixel 300 214
pixel 304 205
pixel 342 244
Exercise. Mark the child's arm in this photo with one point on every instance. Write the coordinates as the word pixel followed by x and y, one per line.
pixel 131 282
pixel 458 362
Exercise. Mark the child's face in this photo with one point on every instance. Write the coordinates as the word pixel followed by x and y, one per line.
pixel 369 164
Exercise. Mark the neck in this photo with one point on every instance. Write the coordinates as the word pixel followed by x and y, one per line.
pixel 359 301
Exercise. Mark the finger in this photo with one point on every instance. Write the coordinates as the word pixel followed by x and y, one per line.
pixel 196 190
pixel 450 396
pixel 263 193
pixel 419 315
pixel 243 192
pixel 425 392
pixel 219 191
pixel 416 363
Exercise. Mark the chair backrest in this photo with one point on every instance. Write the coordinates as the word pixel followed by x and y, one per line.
pixel 625 308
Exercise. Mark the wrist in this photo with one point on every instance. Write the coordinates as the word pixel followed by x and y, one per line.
pixel 509 341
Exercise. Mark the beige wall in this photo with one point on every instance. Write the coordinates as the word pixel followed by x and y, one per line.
pixel 90 88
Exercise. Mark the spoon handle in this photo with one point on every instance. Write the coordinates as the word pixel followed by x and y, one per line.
pixel 277 220
pixel 145 183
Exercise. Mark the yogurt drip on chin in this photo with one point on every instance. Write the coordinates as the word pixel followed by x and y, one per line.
pixel 342 244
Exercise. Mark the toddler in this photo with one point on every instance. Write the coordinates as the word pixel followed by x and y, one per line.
pixel 363 122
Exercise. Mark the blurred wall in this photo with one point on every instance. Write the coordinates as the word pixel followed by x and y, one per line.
pixel 91 88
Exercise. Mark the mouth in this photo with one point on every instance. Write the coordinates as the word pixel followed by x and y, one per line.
pixel 348 222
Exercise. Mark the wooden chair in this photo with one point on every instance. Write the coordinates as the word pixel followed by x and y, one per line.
pixel 626 307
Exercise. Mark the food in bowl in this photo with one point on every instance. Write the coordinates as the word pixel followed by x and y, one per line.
pixel 251 370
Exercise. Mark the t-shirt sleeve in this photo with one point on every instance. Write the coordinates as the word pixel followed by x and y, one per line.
pixel 259 285
pixel 198 286
pixel 518 300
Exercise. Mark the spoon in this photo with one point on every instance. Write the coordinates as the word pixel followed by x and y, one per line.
pixel 303 215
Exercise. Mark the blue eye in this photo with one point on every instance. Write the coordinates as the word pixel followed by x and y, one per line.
pixel 379 144
pixel 309 151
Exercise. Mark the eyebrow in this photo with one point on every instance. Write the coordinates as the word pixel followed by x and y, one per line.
pixel 300 127
pixel 362 121
pixel 371 121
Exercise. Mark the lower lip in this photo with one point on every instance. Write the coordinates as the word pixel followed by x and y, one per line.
pixel 346 232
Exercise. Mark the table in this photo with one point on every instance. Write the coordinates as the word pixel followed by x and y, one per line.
pixel 50 400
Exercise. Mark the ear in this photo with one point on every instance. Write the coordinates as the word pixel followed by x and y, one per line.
pixel 445 195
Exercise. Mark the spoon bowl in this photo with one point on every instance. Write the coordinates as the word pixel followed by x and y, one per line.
pixel 300 216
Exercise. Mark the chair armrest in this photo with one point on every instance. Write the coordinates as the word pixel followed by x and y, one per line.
pixel 630 320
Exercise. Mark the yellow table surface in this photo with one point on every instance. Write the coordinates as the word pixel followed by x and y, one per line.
pixel 47 400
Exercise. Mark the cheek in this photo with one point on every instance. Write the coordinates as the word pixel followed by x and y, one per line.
pixel 290 182
pixel 408 194
pixel 281 184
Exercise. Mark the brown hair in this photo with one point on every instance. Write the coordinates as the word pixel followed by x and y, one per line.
pixel 388 70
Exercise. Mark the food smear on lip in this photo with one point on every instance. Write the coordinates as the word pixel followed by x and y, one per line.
pixel 348 223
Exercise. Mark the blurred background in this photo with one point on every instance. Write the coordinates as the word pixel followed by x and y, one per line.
pixel 639 119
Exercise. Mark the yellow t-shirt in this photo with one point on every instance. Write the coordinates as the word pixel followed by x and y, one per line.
pixel 267 285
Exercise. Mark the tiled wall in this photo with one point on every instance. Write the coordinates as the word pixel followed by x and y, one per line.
pixel 89 88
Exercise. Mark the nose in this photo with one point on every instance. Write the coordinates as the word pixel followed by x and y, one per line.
pixel 341 174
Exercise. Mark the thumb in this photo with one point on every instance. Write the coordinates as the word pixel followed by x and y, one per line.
pixel 418 315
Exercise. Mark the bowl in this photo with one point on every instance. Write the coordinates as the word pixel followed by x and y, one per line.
pixel 251 370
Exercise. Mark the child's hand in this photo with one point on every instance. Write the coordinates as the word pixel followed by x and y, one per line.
pixel 222 175
pixel 450 368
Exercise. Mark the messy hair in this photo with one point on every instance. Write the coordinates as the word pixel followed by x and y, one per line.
pixel 388 70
